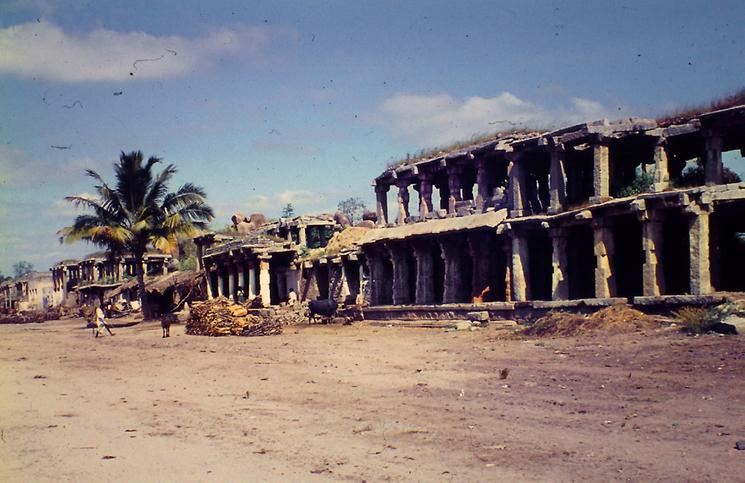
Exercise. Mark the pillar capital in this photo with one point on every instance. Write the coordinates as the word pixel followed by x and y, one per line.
pixel 382 188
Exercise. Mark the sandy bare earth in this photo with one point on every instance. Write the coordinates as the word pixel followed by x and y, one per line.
pixel 366 403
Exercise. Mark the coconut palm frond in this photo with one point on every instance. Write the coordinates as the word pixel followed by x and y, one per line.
pixel 186 195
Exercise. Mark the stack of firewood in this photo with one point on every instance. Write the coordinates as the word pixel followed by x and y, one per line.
pixel 220 316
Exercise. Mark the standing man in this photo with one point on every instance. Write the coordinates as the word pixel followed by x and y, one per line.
pixel 100 321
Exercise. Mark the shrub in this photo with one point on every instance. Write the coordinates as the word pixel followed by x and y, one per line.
pixel 694 176
pixel 188 263
pixel 642 184
pixel 700 320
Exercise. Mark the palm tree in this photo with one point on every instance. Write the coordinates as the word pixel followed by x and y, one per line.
pixel 139 211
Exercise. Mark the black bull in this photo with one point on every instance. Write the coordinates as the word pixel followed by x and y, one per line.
pixel 323 308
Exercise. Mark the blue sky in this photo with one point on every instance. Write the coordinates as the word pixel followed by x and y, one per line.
pixel 264 103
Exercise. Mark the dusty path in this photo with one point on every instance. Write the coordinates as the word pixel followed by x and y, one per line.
pixel 365 403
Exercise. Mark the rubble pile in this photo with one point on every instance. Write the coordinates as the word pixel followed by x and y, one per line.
pixel 291 316
pixel 220 316
pixel 31 317
pixel 615 319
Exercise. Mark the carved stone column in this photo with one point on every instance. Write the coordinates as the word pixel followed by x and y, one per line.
pixel 375 266
pixel 301 235
pixel 220 280
pixel 425 286
pixel 700 266
pixel 454 181
pixel 559 264
pixel 401 273
pixel 241 266
pixel 381 197
pixel 557 179
pixel 425 194
pixel 520 264
pixel 451 254
pixel 605 282
pixel 478 249
pixel 661 170
pixel 232 273
pixel 403 202
pixel 713 168
pixel 251 291
pixel 514 172
pixel 653 276
pixel 482 184
pixel 600 171
pixel 264 281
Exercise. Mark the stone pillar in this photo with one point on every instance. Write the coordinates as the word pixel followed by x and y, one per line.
pixel 344 291
pixel 520 263
pixel 425 285
pixel 478 250
pixel 516 186
pixel 700 276
pixel 661 176
pixel 381 196
pixel 605 283
pixel 425 195
pixel 302 238
pixel 401 273
pixel 375 266
pixel 713 167
pixel 208 278
pixel 220 281
pixel 557 180
pixel 559 264
pixel 451 248
pixel 242 276
pixel 454 182
pixel 200 256
pixel 653 276
pixel 264 285
pixel 403 202
pixel 482 184
pixel 600 171
pixel 252 288
pixel 232 273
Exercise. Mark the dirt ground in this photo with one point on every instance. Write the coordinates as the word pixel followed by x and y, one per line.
pixel 367 403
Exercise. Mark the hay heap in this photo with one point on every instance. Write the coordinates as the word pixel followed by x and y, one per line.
pixel 616 319
pixel 220 317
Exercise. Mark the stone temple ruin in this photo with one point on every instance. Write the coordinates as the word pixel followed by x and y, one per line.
pixel 588 215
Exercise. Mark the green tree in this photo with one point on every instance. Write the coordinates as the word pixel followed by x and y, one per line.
pixel 22 268
pixel 288 211
pixel 354 208
pixel 139 211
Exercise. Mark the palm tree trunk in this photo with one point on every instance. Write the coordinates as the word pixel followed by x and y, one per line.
pixel 146 315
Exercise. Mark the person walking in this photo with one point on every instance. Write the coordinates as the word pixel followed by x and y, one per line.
pixel 101 321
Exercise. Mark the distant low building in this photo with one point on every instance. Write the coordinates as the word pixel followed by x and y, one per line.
pixel 89 278
pixel 33 291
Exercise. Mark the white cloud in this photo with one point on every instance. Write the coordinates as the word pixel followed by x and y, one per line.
pixel 63 208
pixel 302 200
pixel 19 168
pixel 439 119
pixel 44 50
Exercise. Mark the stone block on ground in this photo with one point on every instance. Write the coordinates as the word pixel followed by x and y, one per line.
pixel 480 316
pixel 738 323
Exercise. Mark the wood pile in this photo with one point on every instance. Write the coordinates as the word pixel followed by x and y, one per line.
pixel 220 316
